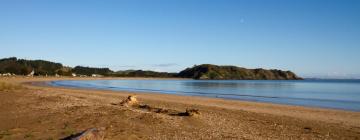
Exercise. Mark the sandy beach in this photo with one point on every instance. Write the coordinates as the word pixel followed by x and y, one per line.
pixel 30 109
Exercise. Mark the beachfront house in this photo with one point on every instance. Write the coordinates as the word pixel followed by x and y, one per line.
pixel 96 75
pixel 7 74
pixel 31 74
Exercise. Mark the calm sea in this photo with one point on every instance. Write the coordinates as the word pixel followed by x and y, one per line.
pixel 337 94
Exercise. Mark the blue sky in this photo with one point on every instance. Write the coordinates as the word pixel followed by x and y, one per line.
pixel 309 37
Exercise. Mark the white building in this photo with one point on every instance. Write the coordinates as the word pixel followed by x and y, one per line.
pixel 31 74
pixel 96 75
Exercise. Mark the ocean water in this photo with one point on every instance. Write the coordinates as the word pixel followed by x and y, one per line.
pixel 336 94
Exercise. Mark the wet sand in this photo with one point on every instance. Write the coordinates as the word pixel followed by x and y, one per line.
pixel 37 111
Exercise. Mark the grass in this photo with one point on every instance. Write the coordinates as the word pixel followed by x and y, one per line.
pixel 9 87
pixel 4 134
pixel 29 136
pixel 67 130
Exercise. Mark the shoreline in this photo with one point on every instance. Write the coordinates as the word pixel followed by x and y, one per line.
pixel 220 101
pixel 191 94
pixel 223 113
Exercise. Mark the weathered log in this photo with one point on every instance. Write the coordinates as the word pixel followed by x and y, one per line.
pixel 89 134
pixel 129 101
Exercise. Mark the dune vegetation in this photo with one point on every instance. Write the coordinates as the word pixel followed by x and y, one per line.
pixel 4 86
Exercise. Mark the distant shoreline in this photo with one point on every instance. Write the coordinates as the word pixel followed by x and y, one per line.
pixel 14 66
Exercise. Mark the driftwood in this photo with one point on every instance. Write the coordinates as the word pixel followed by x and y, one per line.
pixel 153 109
pixel 190 112
pixel 89 134
pixel 129 101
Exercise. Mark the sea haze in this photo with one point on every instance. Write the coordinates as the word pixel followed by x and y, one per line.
pixel 336 94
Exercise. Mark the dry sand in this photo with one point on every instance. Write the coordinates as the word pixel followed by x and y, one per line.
pixel 36 111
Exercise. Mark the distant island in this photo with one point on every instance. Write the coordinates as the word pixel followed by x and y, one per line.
pixel 14 66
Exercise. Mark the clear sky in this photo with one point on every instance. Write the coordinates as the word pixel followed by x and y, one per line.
pixel 309 37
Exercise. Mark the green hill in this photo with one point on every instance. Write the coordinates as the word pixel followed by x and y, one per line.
pixel 24 67
pixel 89 71
pixel 214 72
pixel 203 72
pixel 141 73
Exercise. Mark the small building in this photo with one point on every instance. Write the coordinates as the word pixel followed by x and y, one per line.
pixel 96 75
pixel 73 74
pixel 31 74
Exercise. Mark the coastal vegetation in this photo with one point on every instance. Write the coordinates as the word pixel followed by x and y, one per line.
pixel 89 71
pixel 4 86
pixel 24 67
pixel 214 72
pixel 142 73
pixel 200 72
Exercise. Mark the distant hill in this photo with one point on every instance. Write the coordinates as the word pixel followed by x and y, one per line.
pixel 200 72
pixel 214 72
pixel 89 71
pixel 24 67
pixel 17 66
pixel 142 73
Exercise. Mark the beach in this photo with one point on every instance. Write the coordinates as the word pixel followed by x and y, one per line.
pixel 34 110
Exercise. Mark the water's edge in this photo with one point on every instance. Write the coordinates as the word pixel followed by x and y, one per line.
pixel 320 103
